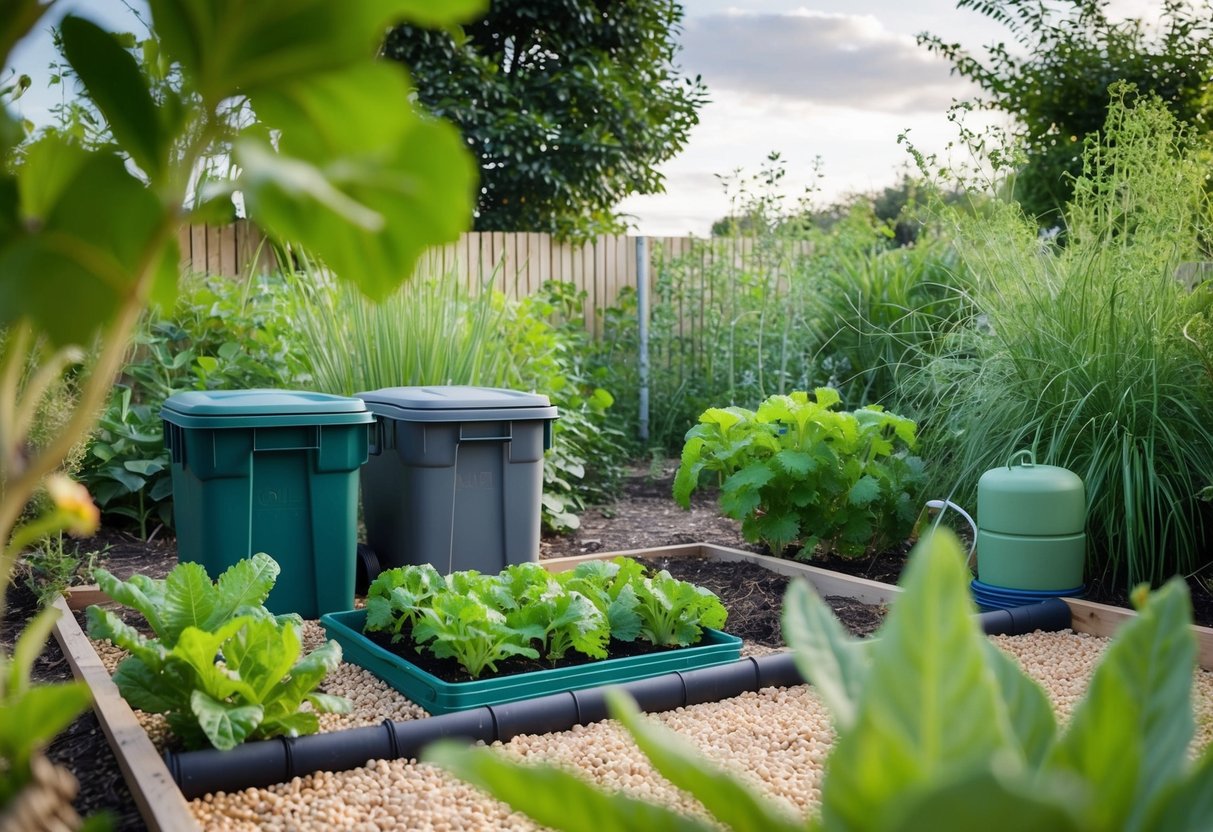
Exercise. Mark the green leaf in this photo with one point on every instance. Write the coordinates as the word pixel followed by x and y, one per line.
pixel 189 601
pixel 367 200
pixel 1129 735
pixel 104 229
pixel 139 593
pixel 103 624
pixel 199 649
pixel 721 792
pixel 114 83
pixel 833 661
pixel 226 726
pixel 247 583
pixel 982 800
pixel 552 797
pixel 30 720
pixel 1028 707
pixel 327 703
pixel 262 653
pixel 752 477
pixel 864 491
pixel 145 689
pixel 435 15
pixel 796 463
pixel 930 709
pixel 30 644
pixel 1185 805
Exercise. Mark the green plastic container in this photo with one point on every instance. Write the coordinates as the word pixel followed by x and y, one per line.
pixel 455 476
pixel 1030 522
pixel 271 471
pixel 441 697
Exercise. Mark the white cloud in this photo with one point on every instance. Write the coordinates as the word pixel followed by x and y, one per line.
pixel 826 58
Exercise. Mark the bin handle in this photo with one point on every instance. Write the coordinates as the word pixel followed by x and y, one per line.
pixel 509 437
pixel 272 446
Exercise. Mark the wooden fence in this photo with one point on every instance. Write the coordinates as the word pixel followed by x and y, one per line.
pixel 514 263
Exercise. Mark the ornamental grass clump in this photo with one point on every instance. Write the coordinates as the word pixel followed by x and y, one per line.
pixel 1078 350
pixel 798 469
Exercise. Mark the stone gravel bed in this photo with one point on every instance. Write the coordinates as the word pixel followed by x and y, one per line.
pixel 776 738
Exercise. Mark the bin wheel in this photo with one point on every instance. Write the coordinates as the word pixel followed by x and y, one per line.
pixel 366 568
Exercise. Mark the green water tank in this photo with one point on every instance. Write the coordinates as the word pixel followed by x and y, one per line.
pixel 1030 526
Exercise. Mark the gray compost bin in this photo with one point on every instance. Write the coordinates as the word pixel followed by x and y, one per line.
pixel 455 476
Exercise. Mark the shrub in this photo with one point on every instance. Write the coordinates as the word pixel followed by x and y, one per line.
pixel 221 334
pixel 798 469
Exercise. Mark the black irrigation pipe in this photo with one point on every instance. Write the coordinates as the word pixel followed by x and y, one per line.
pixel 259 764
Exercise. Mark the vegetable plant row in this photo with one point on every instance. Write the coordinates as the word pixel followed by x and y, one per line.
pixel 479 620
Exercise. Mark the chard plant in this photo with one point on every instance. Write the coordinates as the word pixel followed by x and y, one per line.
pixel 936 729
pixel 798 469
pixel 220 667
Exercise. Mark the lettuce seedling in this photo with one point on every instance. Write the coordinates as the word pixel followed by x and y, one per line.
pixel 397 596
pixel 464 628
pixel 187 598
pixel 563 620
pixel 674 612
pixel 608 585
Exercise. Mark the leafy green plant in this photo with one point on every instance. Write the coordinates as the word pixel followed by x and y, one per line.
pixel 52 566
pixel 464 628
pixel 1078 351
pixel 220 667
pixel 222 333
pixel 478 620
pixel 31 715
pixel 798 469
pixel 937 729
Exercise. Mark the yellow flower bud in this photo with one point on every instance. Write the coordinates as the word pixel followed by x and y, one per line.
pixel 75 504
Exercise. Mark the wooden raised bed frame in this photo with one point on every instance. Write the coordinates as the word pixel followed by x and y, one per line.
pixel 165 810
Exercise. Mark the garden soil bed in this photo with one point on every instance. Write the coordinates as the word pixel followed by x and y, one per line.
pixel 644 517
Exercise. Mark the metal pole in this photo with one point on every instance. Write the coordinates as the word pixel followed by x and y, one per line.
pixel 642 313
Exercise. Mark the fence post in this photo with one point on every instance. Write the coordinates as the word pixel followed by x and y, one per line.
pixel 642 312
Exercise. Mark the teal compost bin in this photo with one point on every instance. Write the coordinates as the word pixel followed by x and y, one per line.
pixel 455 477
pixel 272 471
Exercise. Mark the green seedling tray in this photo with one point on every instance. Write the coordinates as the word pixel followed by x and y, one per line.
pixel 441 697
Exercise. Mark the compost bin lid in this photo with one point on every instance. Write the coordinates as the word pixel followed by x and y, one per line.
pixel 457 403
pixel 1024 498
pixel 261 408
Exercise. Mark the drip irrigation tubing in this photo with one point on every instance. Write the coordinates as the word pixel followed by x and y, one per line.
pixel 264 763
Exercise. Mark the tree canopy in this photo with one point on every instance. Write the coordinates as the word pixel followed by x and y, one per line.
pixel 1054 78
pixel 569 105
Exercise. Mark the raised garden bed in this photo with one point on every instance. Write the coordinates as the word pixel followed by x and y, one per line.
pixel 163 807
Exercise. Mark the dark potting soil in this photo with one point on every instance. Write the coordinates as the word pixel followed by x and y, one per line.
pixel 449 670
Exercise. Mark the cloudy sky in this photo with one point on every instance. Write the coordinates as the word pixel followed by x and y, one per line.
pixel 835 79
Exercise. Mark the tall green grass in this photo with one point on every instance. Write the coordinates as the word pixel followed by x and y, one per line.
pixel 435 332
pixel 1077 350
pixel 429 332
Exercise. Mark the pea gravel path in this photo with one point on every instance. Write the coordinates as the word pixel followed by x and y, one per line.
pixel 777 739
